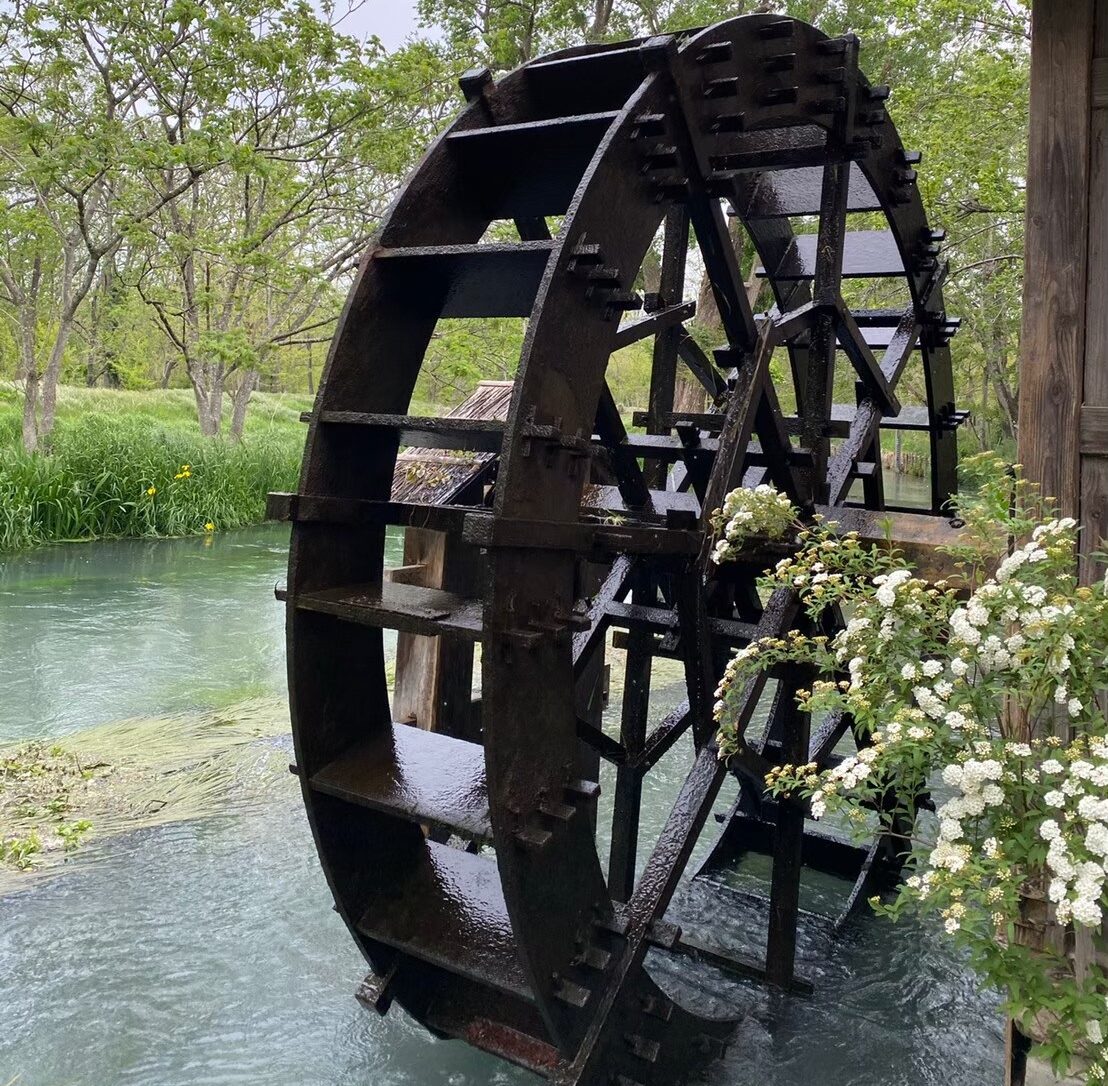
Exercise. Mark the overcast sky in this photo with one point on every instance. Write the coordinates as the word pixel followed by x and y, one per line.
pixel 391 20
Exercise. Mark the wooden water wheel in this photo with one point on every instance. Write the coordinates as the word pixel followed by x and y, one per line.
pixel 557 526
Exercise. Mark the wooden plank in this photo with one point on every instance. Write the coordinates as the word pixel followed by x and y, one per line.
pixel 868 254
pixel 1094 443
pixel 737 428
pixel 476 435
pixel 613 435
pixel 495 280
pixel 528 170
pixel 730 962
pixel 700 366
pixel 614 586
pixel 857 350
pixel 416 689
pixel 656 322
pixel 782 193
pixel 842 469
pixel 627 809
pixel 1053 337
pixel 912 417
pixel 473 937
pixel 416 775
pixel 1094 425
pixel 663 367
pixel 788 846
pixel 399 607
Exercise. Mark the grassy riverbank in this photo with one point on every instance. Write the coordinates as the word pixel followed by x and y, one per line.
pixel 135 464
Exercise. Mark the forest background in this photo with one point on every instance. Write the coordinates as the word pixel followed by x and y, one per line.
pixel 186 187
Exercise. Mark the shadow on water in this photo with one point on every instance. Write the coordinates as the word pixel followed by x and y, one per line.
pixel 205 951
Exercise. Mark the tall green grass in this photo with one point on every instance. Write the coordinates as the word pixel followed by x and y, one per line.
pixel 117 467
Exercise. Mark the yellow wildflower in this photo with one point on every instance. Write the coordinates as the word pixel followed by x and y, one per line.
pixel 151 491
pixel 209 527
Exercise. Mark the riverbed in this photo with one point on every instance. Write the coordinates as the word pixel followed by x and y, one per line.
pixel 203 950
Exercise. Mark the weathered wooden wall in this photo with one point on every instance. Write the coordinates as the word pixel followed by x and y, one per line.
pixel 1063 418
pixel 1063 421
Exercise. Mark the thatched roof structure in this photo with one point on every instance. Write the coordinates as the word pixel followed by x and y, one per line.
pixel 440 476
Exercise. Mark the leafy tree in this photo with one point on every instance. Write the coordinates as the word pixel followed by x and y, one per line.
pixel 313 142
pixel 83 168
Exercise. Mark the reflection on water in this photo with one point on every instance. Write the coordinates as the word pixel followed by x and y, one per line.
pixel 206 951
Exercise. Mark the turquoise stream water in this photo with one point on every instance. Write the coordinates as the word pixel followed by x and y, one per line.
pixel 206 951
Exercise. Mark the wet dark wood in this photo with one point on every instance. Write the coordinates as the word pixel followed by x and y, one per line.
pixel 417 775
pixel 660 321
pixel 398 607
pixel 788 851
pixel 447 908
pixel 798 192
pixel 868 254
pixel 493 280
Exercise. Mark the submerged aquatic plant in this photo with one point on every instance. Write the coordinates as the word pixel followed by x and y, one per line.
pixel 37 785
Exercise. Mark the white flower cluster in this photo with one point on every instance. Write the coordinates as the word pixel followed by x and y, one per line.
pixel 978 783
pixel 887 585
pixel 737 662
pixel 848 774
pixel 762 511
pixel 1024 625
pixel 1076 833
pixel 972 686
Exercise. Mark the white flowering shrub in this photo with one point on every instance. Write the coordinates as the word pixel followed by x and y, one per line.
pixel 759 512
pixel 972 684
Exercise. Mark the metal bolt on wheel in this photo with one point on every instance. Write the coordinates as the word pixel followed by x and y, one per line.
pixel 560 526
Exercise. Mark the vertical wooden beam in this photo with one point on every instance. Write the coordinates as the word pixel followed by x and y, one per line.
pixel 415 698
pixel 663 372
pixel 788 842
pixel 627 809
pixel 1094 453
pixel 623 855
pixel 1054 325
pixel 1064 343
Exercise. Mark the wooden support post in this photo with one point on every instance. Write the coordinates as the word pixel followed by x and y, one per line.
pixel 416 690
pixel 1056 263
pixel 622 859
pixel 1063 445
pixel 1094 434
pixel 788 848
pixel 663 373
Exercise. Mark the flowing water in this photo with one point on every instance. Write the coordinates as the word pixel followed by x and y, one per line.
pixel 203 950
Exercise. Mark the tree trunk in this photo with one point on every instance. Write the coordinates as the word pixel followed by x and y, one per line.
pixel 209 407
pixel 30 412
pixel 28 373
pixel 602 13
pixel 53 375
pixel 240 402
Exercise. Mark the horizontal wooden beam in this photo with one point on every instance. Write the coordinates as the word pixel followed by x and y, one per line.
pixel 658 321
